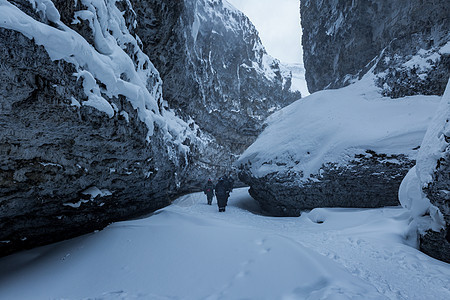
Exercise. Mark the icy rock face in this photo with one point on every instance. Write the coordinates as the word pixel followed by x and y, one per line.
pixel 214 68
pixel 343 39
pixel 85 138
pixel 367 181
pixel 433 173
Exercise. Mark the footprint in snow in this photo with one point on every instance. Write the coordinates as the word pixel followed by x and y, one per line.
pixel 260 242
pixel 265 250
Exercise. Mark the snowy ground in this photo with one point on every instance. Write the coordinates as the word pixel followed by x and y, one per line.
pixel 190 251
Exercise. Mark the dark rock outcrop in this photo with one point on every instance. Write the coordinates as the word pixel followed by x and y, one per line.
pixel 368 181
pixel 343 39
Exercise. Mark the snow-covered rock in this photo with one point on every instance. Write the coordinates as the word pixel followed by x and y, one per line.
pixel 426 189
pixel 341 40
pixel 349 147
pixel 406 46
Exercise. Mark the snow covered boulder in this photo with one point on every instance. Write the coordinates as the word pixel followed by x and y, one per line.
pixel 426 189
pixel 349 147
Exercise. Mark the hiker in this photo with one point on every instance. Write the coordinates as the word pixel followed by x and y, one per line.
pixel 209 191
pixel 222 193
pixel 230 182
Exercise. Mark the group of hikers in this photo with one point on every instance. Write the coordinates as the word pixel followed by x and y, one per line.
pixel 221 190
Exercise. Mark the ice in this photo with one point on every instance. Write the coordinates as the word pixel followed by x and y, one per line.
pixel 95 192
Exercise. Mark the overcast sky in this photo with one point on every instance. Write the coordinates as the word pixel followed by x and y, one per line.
pixel 278 23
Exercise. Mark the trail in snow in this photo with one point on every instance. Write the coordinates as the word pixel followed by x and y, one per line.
pixel 190 251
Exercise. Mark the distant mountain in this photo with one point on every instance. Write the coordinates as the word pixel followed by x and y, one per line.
pixel 298 82
pixel 211 59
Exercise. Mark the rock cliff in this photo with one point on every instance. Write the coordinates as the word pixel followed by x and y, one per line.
pixel 343 39
pixel 78 149
pixel 87 137
pixel 211 60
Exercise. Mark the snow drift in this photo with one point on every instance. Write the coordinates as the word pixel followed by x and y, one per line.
pixel 190 251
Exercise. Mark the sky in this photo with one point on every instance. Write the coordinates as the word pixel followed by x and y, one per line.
pixel 278 23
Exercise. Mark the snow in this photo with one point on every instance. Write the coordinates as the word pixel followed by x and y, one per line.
pixel 75 102
pixel 331 126
pixel 94 192
pixel 425 215
pixel 76 204
pixel 434 143
pixel 423 61
pixel 227 5
pixel 190 251
pixel 47 8
pixel 445 49
pixel 411 195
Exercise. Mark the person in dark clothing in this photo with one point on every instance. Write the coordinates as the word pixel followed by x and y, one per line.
pixel 222 193
pixel 230 182
pixel 209 191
